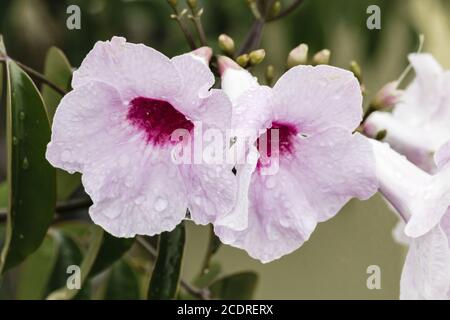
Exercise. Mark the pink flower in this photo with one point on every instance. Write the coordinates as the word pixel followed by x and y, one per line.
pixel 419 123
pixel 322 165
pixel 116 128
pixel 423 202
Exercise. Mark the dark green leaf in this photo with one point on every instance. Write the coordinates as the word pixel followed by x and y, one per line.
pixel 58 70
pixel 31 179
pixel 123 283
pixel 102 252
pixel 166 274
pixel 88 261
pixel 238 286
pixel 112 249
pixel 36 271
pixel 69 254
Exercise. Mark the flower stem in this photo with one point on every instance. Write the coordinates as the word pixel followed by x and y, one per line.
pixel 39 76
pixel 196 18
pixel 288 10
pixel 178 17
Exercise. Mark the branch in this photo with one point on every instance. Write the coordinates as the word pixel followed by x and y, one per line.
pixel 288 10
pixel 177 16
pixel 37 75
pixel 195 292
pixel 253 38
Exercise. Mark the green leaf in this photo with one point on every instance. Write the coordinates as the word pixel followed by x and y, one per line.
pixel 208 275
pixel 123 283
pixel 31 179
pixel 36 271
pixel 238 286
pixel 88 261
pixel 112 250
pixel 102 252
pixel 166 274
pixel 58 70
pixel 69 254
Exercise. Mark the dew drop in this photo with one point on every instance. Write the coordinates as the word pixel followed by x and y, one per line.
pixel 15 141
pixel 161 204
pixel 22 115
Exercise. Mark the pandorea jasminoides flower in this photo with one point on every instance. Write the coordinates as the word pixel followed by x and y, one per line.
pixel 116 128
pixel 320 164
pixel 419 124
pixel 423 202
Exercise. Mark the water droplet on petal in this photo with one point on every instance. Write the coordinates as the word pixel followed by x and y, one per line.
pixel 161 204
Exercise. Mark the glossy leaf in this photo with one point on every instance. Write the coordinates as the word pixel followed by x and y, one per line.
pixel 88 261
pixel 166 273
pixel 112 249
pixel 208 275
pixel 28 132
pixel 69 254
pixel 102 252
pixel 238 286
pixel 58 70
pixel 122 283
pixel 36 271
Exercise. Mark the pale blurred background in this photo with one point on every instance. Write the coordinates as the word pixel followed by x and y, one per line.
pixel 333 263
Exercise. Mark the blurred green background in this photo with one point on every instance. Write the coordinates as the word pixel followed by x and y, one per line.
pixel 333 263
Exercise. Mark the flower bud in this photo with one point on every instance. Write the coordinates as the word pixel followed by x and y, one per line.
pixel 192 4
pixel 356 70
pixel 322 57
pixel 243 60
pixel 257 56
pixel 270 74
pixel 298 56
pixel 226 44
pixel 173 3
pixel 387 97
pixel 275 10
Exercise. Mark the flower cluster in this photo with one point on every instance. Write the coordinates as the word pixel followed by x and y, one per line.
pixel 133 113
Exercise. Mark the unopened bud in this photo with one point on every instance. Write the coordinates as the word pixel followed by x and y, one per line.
pixel 275 10
pixel 298 56
pixel 356 70
pixel 173 3
pixel 243 60
pixel 270 74
pixel 381 135
pixel 387 97
pixel 322 57
pixel 226 44
pixel 192 4
pixel 257 56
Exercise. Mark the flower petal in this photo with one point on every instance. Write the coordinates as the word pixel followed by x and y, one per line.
pixel 316 98
pixel 311 187
pixel 135 188
pixel 133 69
pixel 442 157
pixel 426 273
pixel 417 146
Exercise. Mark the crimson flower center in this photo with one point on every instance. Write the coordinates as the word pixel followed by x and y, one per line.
pixel 278 140
pixel 158 119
